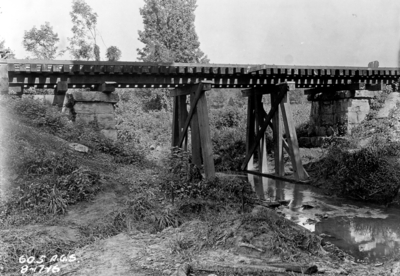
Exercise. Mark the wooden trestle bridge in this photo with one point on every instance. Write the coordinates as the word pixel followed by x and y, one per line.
pixel 193 80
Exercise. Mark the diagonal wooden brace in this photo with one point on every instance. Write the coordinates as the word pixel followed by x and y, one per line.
pixel 283 88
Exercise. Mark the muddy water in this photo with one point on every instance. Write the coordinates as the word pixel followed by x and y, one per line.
pixel 368 232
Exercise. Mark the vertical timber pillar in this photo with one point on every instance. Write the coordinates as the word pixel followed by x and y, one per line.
pixel 262 150
pixel 175 122
pixel 278 142
pixel 182 113
pixel 205 137
pixel 59 93
pixel 250 128
pixel 291 137
pixel 4 84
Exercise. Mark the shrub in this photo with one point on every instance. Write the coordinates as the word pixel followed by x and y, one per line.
pixel 229 116
pixel 142 129
pixel 48 182
pixel 229 157
pixel 39 114
pixel 38 161
pixel 178 171
pixel 365 174
pixel 80 185
pixel 228 135
pixel 302 129
pixel 165 218
pixel 182 181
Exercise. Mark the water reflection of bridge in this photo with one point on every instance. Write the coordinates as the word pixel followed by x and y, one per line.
pixel 373 239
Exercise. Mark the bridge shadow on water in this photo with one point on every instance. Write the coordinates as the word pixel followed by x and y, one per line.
pixel 367 232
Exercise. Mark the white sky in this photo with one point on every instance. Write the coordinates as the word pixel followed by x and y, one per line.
pixel 299 32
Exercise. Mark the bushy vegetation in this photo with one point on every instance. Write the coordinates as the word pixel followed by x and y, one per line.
pixel 142 127
pixel 37 113
pixel 48 182
pixel 228 135
pixel 367 174
pixel 183 183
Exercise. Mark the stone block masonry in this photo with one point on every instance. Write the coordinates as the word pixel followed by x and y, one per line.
pixel 336 113
pixel 94 107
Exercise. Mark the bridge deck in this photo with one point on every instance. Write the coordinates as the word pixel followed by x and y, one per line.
pixel 47 73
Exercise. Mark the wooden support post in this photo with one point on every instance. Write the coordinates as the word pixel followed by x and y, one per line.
pixel 205 137
pixel 291 137
pixel 195 136
pixel 183 113
pixel 175 122
pixel 278 142
pixel 59 93
pixel 262 149
pixel 250 130
pixel 4 84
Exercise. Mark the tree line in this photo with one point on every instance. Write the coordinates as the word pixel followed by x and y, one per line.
pixel 169 35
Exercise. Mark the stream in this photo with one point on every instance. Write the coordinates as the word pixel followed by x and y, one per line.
pixel 368 232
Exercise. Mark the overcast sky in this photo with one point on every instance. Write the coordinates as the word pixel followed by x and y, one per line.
pixel 297 32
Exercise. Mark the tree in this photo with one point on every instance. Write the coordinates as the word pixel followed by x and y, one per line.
pixel 42 42
pixel 83 44
pixel 169 36
pixel 5 53
pixel 113 53
pixel 373 64
pixel 169 33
